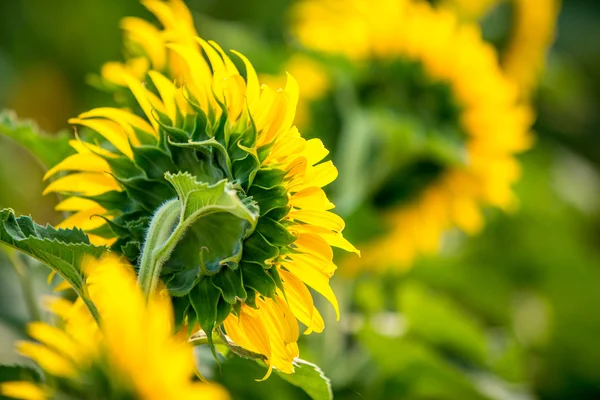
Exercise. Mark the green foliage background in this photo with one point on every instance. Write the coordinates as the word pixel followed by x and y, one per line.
pixel 510 314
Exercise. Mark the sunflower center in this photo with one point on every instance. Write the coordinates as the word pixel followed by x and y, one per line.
pixel 428 110
pixel 408 182
pixel 403 87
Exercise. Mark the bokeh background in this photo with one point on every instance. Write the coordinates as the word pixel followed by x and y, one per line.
pixel 508 314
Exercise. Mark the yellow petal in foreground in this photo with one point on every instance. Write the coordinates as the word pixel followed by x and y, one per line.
pixel 23 391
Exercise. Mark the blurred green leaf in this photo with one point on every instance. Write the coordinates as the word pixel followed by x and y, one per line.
pixel 48 149
pixel 9 373
pixel 441 322
pixel 413 370
pixel 309 378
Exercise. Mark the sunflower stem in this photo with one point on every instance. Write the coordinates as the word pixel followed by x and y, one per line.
pixel 160 242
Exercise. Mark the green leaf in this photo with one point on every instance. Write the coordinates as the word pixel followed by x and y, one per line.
pixel 310 378
pixel 48 149
pixel 442 323
pixel 12 373
pixel 62 250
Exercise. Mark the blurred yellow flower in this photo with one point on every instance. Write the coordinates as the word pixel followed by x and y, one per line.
pixel 199 115
pixel 532 31
pixel 495 125
pixel 133 354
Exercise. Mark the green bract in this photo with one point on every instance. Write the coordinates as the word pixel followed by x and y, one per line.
pixel 199 212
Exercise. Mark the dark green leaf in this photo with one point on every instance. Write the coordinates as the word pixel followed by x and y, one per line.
pixel 309 378
pixel 63 250
pixel 11 373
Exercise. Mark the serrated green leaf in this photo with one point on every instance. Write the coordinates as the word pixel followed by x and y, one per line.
pixel 310 378
pixel 48 149
pixel 62 250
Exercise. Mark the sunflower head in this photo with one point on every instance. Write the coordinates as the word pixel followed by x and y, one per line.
pixel 131 355
pixel 432 123
pixel 524 31
pixel 204 183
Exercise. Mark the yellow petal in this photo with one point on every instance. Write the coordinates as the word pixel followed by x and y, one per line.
pixel 252 85
pixel 86 183
pixel 301 302
pixel 332 238
pixel 64 285
pixel 47 359
pixel 312 198
pixel 84 162
pixel 75 204
pixel 315 151
pixel 167 91
pixel 23 391
pixel 315 245
pixel 122 117
pixel 320 175
pixel 54 338
pixel 315 279
pixel 323 219
pixel 109 130
pixel 148 37
pixel 86 219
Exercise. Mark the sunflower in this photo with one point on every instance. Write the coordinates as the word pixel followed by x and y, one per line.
pixel 203 182
pixel 532 32
pixel 406 54
pixel 131 355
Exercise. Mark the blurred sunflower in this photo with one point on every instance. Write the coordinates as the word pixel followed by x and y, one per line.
pixel 411 62
pixel 132 355
pixel 203 182
pixel 530 34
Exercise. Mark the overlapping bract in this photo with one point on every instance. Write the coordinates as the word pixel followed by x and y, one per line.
pixel 132 354
pixel 495 124
pixel 205 120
